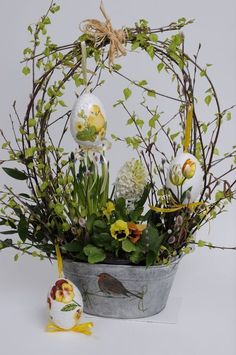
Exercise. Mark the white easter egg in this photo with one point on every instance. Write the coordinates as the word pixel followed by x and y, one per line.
pixel 185 178
pixel 88 121
pixel 65 304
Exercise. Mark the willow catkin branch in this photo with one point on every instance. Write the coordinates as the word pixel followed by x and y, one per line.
pixel 212 246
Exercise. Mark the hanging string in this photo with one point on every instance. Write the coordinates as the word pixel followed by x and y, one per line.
pixel 188 128
pixel 84 65
pixel 177 207
pixel 59 261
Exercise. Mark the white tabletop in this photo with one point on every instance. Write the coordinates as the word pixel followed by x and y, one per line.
pixel 199 318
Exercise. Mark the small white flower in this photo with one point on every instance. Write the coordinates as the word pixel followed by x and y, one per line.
pixel 131 180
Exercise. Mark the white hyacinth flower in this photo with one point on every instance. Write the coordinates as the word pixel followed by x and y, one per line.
pixel 131 181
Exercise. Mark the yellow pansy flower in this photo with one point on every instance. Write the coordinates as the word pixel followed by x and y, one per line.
pixel 119 230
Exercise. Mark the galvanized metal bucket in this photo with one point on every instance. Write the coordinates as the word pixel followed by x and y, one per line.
pixel 122 291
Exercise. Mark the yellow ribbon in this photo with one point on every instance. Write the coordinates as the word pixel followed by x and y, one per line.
pixel 80 328
pixel 59 261
pixel 188 128
pixel 176 207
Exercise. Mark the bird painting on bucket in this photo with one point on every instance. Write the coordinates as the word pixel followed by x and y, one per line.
pixel 113 287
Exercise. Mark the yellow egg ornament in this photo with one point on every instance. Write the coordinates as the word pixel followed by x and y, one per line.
pixel 185 178
pixel 88 121
pixel 65 304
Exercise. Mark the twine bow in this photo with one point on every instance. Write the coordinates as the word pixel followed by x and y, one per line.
pixel 101 32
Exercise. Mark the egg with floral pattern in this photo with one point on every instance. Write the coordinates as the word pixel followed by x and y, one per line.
pixel 65 304
pixel 185 178
pixel 88 121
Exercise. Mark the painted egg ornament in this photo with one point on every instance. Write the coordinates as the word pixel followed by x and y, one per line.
pixel 88 121
pixel 65 304
pixel 185 177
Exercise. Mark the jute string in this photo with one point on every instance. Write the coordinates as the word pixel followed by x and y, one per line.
pixel 101 32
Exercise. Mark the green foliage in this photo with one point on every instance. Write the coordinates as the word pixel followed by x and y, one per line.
pixel 127 93
pixel 208 99
pixel 68 195
pixel 128 246
pixel 26 70
pixel 15 173
pixel 94 254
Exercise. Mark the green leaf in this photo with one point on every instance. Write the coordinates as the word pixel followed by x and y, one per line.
pixel 139 122
pixel 204 127
pixel 15 173
pixel 62 103
pixel 59 208
pixel 116 67
pixel 142 83
pixel 150 258
pixel 153 37
pixel 228 116
pixel 219 195
pixel 47 21
pixel 130 121
pixel 152 121
pixel 127 93
pixel 94 254
pixel 102 240
pixel 174 135
pixel 23 228
pixel 134 46
pixel 32 122
pixel 150 51
pixel 151 239
pixel 89 223
pixel 151 93
pixel 69 307
pixel 201 243
pixel 160 66
pixel 27 51
pixel 137 256
pixel 29 28
pixel 128 246
pixel 16 257
pixel 208 99
pixel 9 232
pixel 54 8
pixel 73 246
pixel 203 73
pixel 100 225
pixel 26 70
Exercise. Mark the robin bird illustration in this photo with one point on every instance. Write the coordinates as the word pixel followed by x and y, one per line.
pixel 112 286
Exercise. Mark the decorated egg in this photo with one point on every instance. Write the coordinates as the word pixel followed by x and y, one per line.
pixel 65 304
pixel 88 121
pixel 185 178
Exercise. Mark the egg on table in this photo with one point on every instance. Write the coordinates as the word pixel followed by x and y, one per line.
pixel 65 304
pixel 185 177
pixel 88 121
